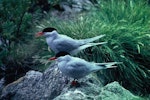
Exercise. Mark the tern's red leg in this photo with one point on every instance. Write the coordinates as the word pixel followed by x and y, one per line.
pixel 75 83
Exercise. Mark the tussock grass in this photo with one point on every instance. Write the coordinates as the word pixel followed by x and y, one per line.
pixel 126 24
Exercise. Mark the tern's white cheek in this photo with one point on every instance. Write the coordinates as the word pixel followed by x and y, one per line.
pixel 59 59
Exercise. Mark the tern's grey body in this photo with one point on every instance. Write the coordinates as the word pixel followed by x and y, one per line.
pixel 58 42
pixel 77 68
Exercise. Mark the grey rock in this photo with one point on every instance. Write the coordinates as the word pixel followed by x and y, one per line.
pixel 90 87
pixel 112 91
pixel 36 86
pixel 76 5
pixel 65 6
pixel 80 5
pixel 51 85
pixel 47 86
pixel 71 8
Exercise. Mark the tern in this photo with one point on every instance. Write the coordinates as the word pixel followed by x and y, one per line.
pixel 77 68
pixel 63 43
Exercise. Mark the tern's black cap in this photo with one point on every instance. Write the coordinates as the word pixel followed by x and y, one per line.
pixel 48 29
pixel 61 53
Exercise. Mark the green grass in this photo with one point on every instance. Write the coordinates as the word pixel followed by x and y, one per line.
pixel 127 29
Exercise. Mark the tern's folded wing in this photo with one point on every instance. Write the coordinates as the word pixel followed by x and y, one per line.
pixel 65 45
pixel 77 70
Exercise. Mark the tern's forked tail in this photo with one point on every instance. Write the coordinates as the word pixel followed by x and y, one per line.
pixel 108 64
pixel 85 46
pixel 85 41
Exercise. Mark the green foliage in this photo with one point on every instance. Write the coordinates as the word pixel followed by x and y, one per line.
pixel 17 19
pixel 54 2
pixel 15 23
pixel 14 20
pixel 126 25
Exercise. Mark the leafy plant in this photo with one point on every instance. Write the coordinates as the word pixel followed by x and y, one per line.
pixel 15 34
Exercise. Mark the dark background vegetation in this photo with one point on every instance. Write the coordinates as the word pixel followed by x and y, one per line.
pixel 126 24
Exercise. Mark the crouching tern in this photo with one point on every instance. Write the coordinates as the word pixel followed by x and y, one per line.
pixel 77 68
pixel 58 42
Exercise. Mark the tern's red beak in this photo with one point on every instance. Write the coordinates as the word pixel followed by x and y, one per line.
pixel 39 34
pixel 53 58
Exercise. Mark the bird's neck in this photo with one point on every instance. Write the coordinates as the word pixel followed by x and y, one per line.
pixel 49 39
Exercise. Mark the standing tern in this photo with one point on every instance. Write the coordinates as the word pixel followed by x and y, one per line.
pixel 58 42
pixel 78 68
